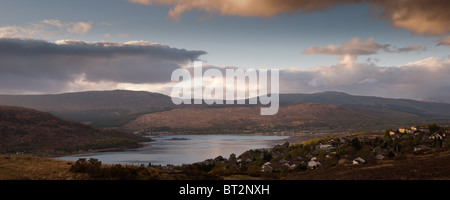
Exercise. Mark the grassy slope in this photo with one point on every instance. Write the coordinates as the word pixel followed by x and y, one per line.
pixel 432 166
pixel 32 131
pixel 19 167
pixel 309 114
pixel 423 167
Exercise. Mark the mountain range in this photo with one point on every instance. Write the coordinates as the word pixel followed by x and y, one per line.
pixel 137 110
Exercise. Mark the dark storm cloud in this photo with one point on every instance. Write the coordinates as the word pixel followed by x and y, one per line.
pixel 36 65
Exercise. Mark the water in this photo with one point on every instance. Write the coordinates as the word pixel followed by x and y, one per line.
pixel 184 149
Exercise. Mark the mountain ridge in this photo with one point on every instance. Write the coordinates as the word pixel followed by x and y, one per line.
pixel 118 107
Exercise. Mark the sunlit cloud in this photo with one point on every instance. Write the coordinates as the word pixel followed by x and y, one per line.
pixel 416 80
pixel 418 16
pixel 444 41
pixel 79 28
pixel 349 50
pixel 46 29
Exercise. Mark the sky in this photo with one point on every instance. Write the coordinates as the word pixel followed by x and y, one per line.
pixel 396 49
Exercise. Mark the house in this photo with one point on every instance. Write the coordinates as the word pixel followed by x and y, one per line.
pixel 435 136
pixel 391 133
pixel 358 160
pixel 422 148
pixel 446 134
pixel 405 130
pixel 289 167
pixel 379 157
pixel 313 164
pixel 325 147
pixel 266 167
pixel 402 130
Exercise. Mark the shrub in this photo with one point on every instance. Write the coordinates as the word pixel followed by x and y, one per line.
pixel 93 166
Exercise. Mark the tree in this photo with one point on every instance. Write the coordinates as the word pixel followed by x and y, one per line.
pixel 433 128
pixel 355 143
pixel 387 133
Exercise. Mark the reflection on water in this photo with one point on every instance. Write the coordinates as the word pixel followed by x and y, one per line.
pixel 183 149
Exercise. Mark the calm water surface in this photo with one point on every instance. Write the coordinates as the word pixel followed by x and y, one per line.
pixel 165 150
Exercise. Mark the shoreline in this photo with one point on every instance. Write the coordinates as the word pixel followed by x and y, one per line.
pixel 290 138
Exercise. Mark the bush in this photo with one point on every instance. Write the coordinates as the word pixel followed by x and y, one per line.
pixel 95 170
pixel 93 166
pixel 254 170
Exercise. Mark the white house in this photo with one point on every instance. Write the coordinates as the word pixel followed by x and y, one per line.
pixel 313 164
pixel 421 148
pixel 266 167
pixel 435 136
pixel 358 160
pixel 325 147
pixel 379 157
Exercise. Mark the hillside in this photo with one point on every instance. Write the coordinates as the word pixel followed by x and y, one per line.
pixel 365 156
pixel 92 105
pixel 120 107
pixel 420 108
pixel 31 131
pixel 438 99
pixel 292 116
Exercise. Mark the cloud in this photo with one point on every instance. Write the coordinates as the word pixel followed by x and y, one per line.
pixel 354 46
pixel 45 29
pixel 79 28
pixel 47 67
pixel 413 47
pixel 419 16
pixel 53 22
pixel 245 8
pixel 416 80
pixel 31 31
pixel 444 41
pixel 349 50
pixel 124 35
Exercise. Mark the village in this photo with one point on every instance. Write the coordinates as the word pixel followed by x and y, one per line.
pixel 327 152
pixel 289 160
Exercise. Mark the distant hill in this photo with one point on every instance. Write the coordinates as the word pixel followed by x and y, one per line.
pixel 28 130
pixel 438 99
pixel 304 115
pixel 120 107
pixel 420 108
pixel 93 105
